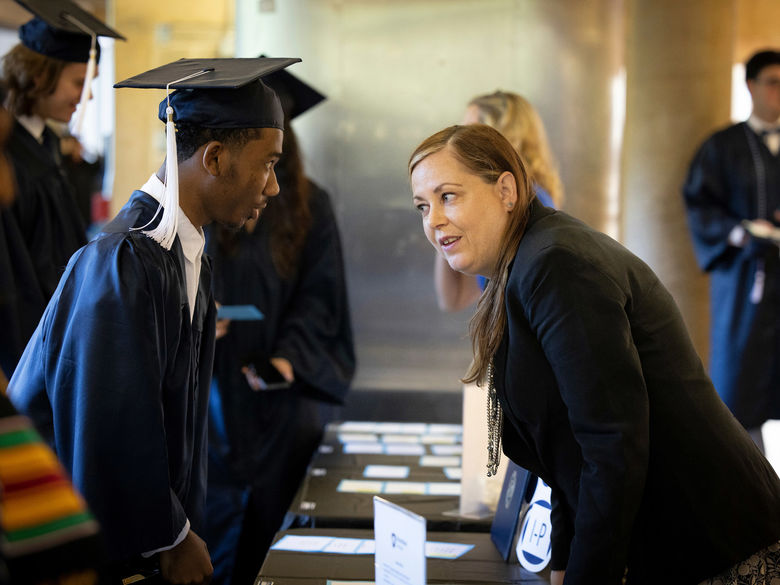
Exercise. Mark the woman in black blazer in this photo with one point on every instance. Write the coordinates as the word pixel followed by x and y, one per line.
pixel 601 392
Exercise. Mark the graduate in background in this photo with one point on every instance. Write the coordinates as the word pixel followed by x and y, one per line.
pixel 117 374
pixel 44 76
pixel 515 117
pixel 734 177
pixel 290 266
pixel 46 532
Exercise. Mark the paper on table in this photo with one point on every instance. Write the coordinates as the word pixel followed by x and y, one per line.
pixel 361 546
pixel 444 488
pixel 445 429
pixel 392 471
pixel 362 448
pixel 302 543
pixel 400 438
pixel 404 449
pixel 439 461
pixel 360 486
pixel 446 550
pixel 405 487
pixel 354 426
pixel 343 546
pixel 439 439
pixel 353 437
pixel 446 449
pixel 453 472
pixel 400 545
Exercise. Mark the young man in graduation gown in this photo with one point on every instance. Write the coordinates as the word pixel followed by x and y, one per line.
pixel 290 266
pixel 44 76
pixel 735 176
pixel 117 374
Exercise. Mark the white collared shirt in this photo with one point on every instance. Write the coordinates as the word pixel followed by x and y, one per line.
pixel 758 125
pixel 192 242
pixel 34 125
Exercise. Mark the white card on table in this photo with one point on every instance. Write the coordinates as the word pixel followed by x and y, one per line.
pixel 400 545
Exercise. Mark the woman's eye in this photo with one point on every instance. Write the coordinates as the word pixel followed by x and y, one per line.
pixel 422 207
pixel 447 197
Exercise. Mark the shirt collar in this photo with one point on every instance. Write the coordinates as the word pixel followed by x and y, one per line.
pixel 192 239
pixel 758 125
pixel 35 125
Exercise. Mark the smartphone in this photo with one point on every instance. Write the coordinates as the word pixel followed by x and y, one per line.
pixel 268 376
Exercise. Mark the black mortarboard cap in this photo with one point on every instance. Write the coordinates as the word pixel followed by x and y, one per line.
pixel 62 30
pixel 296 95
pixel 211 93
pixel 223 93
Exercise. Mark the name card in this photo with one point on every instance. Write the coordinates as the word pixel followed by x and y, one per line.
pixel 400 545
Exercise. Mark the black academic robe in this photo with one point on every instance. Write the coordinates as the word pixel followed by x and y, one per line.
pixel 733 177
pixel 116 379
pixel 39 233
pixel 605 398
pixel 306 321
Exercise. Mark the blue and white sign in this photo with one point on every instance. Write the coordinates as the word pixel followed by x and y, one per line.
pixel 534 545
pixel 400 545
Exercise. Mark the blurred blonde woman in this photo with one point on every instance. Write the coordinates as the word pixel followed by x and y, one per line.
pixel 515 117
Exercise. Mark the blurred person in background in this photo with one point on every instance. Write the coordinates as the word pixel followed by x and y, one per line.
pixel 289 265
pixel 44 77
pixel 515 117
pixel 732 197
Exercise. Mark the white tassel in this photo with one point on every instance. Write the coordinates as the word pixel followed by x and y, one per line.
pixel 78 124
pixel 165 232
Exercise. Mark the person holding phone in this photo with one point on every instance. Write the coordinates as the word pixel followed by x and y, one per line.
pixel 276 380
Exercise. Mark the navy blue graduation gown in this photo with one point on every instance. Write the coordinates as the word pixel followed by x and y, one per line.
pixel 733 177
pixel 306 321
pixel 116 379
pixel 38 234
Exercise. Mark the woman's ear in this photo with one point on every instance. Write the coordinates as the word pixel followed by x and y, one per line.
pixel 507 189
pixel 213 153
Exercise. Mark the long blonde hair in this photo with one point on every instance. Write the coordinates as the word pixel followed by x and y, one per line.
pixel 514 116
pixel 487 154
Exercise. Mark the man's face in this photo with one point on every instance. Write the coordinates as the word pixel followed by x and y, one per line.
pixel 765 91
pixel 248 182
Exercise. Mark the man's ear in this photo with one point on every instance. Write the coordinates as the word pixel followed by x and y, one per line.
pixel 507 189
pixel 751 85
pixel 213 159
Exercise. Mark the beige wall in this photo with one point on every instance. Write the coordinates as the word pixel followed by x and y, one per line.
pixel 396 70
pixel 158 32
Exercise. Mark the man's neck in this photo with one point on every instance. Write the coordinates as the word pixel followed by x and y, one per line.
pixel 767 117
pixel 187 197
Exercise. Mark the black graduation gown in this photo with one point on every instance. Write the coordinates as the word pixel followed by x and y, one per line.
pixel 605 399
pixel 38 234
pixel 306 321
pixel 722 188
pixel 116 378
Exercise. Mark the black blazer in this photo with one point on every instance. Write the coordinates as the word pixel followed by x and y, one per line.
pixel 605 398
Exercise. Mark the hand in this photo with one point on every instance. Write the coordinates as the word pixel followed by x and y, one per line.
pixel 284 367
pixel 187 563
pixel 222 324
pixel 222 327
pixel 556 577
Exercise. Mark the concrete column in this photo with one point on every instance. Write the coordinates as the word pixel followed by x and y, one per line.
pixel 678 74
